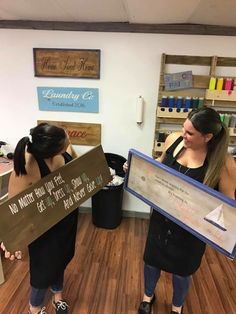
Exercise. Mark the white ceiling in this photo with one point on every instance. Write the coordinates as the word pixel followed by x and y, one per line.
pixel 211 12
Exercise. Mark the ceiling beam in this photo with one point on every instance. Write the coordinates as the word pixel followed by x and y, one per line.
pixel 188 29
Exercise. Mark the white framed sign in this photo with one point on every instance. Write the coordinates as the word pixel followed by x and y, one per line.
pixel 202 211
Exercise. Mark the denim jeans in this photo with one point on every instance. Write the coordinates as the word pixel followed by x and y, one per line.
pixel 180 284
pixel 37 295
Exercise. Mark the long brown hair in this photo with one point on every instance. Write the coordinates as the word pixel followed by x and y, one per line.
pixel 206 120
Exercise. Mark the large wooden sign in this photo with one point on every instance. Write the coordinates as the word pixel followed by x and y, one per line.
pixel 80 133
pixel 202 211
pixel 32 212
pixel 76 63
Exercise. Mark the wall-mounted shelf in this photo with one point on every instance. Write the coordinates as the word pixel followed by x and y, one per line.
pixel 226 95
pixel 173 114
pixel 171 119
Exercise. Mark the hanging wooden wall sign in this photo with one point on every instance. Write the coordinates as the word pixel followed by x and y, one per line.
pixel 80 133
pixel 32 212
pixel 175 81
pixel 74 63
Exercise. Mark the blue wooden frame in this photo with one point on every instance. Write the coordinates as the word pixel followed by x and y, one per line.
pixel 190 181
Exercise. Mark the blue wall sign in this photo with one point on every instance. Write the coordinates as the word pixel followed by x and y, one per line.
pixel 68 99
pixel 181 80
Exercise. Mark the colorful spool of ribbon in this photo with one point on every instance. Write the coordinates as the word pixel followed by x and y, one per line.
pixel 234 85
pixel 219 84
pixel 228 84
pixel 187 103
pixel 200 102
pixel 171 103
pixel 222 117
pixel 232 121
pixel 227 119
pixel 161 137
pixel 212 83
pixel 164 100
pixel 195 102
pixel 179 103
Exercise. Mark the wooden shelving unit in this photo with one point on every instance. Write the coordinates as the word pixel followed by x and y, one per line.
pixel 223 101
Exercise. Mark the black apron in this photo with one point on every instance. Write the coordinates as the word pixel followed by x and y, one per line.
pixel 52 251
pixel 170 247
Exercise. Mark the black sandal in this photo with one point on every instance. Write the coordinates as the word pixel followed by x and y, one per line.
pixel 146 307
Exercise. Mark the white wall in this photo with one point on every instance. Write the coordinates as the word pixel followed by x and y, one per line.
pixel 130 66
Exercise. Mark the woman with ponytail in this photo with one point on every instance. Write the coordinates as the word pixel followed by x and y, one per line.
pixel 46 149
pixel 200 152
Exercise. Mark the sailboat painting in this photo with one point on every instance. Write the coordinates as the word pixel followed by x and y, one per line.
pixel 216 217
pixel 204 212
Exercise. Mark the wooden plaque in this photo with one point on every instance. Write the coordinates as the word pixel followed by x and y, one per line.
pixel 74 63
pixel 32 212
pixel 181 80
pixel 80 133
pixel 202 211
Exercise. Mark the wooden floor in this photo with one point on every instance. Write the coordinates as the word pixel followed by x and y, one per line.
pixel 106 276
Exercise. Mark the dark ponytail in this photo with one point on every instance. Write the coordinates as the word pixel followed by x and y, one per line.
pixel 19 156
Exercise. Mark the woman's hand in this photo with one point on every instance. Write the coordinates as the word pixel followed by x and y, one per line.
pixel 125 166
pixel 10 256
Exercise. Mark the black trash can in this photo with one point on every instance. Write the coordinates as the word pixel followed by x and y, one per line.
pixel 107 203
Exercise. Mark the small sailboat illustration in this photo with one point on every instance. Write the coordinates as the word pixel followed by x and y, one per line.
pixel 216 217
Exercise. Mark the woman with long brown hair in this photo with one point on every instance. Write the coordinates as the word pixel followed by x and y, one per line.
pixel 200 152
